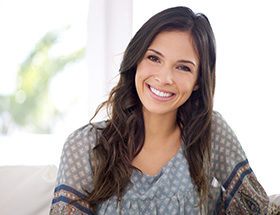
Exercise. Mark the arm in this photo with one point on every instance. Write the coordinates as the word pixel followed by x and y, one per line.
pixel 74 174
pixel 241 193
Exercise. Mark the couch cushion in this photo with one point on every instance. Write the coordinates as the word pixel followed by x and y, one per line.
pixel 26 190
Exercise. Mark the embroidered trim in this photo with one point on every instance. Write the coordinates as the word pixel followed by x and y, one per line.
pixel 234 172
pixel 235 181
pixel 66 194
pixel 69 189
pixel 251 205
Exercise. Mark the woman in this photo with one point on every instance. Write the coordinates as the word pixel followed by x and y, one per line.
pixel 162 150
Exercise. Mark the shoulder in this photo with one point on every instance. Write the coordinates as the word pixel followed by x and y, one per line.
pixel 221 129
pixel 223 135
pixel 75 176
pixel 75 168
pixel 230 167
pixel 218 120
pixel 227 152
pixel 225 144
pixel 85 134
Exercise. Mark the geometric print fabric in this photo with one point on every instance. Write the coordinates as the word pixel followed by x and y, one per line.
pixel 170 191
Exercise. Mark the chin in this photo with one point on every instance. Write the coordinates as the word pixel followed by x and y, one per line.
pixel 158 110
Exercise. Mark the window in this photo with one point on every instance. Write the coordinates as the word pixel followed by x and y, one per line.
pixel 43 78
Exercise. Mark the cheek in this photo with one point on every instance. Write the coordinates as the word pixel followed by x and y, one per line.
pixel 144 69
pixel 185 86
pixel 139 78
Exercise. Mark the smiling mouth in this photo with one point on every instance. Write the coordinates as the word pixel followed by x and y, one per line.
pixel 160 93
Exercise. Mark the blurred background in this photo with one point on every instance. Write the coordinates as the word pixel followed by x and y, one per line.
pixel 59 59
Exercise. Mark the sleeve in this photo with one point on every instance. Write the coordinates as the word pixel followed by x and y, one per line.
pixel 240 192
pixel 74 174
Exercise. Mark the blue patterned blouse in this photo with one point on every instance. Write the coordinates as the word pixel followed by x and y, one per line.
pixel 234 188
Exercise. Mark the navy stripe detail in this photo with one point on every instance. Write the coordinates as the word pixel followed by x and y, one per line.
pixel 69 189
pixel 70 201
pixel 237 185
pixel 233 173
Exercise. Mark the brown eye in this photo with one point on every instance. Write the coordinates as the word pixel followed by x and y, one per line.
pixel 184 68
pixel 153 58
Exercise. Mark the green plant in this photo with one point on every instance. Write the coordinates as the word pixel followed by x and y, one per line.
pixel 29 107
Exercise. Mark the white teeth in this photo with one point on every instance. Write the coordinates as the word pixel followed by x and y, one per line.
pixel 159 93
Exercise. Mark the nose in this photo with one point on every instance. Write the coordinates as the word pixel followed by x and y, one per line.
pixel 164 76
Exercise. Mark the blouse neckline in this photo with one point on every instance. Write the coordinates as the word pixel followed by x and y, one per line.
pixel 163 168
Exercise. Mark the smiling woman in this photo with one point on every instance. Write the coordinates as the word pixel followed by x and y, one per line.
pixel 163 150
pixel 163 80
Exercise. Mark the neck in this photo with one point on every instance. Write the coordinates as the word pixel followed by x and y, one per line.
pixel 160 129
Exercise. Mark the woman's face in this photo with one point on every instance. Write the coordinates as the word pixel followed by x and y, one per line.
pixel 167 75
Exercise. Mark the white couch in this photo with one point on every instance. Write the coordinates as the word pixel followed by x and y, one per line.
pixel 26 190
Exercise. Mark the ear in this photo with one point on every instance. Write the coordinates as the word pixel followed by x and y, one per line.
pixel 196 86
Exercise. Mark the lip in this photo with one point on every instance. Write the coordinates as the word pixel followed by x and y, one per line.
pixel 158 97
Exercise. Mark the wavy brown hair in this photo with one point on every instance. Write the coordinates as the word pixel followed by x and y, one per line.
pixel 118 143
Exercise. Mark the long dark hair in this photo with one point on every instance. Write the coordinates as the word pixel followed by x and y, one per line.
pixel 118 143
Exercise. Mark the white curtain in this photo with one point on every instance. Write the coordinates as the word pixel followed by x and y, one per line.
pixel 109 31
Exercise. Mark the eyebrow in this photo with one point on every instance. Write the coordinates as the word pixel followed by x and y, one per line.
pixel 180 61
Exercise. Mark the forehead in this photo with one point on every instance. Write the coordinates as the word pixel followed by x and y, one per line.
pixel 175 44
